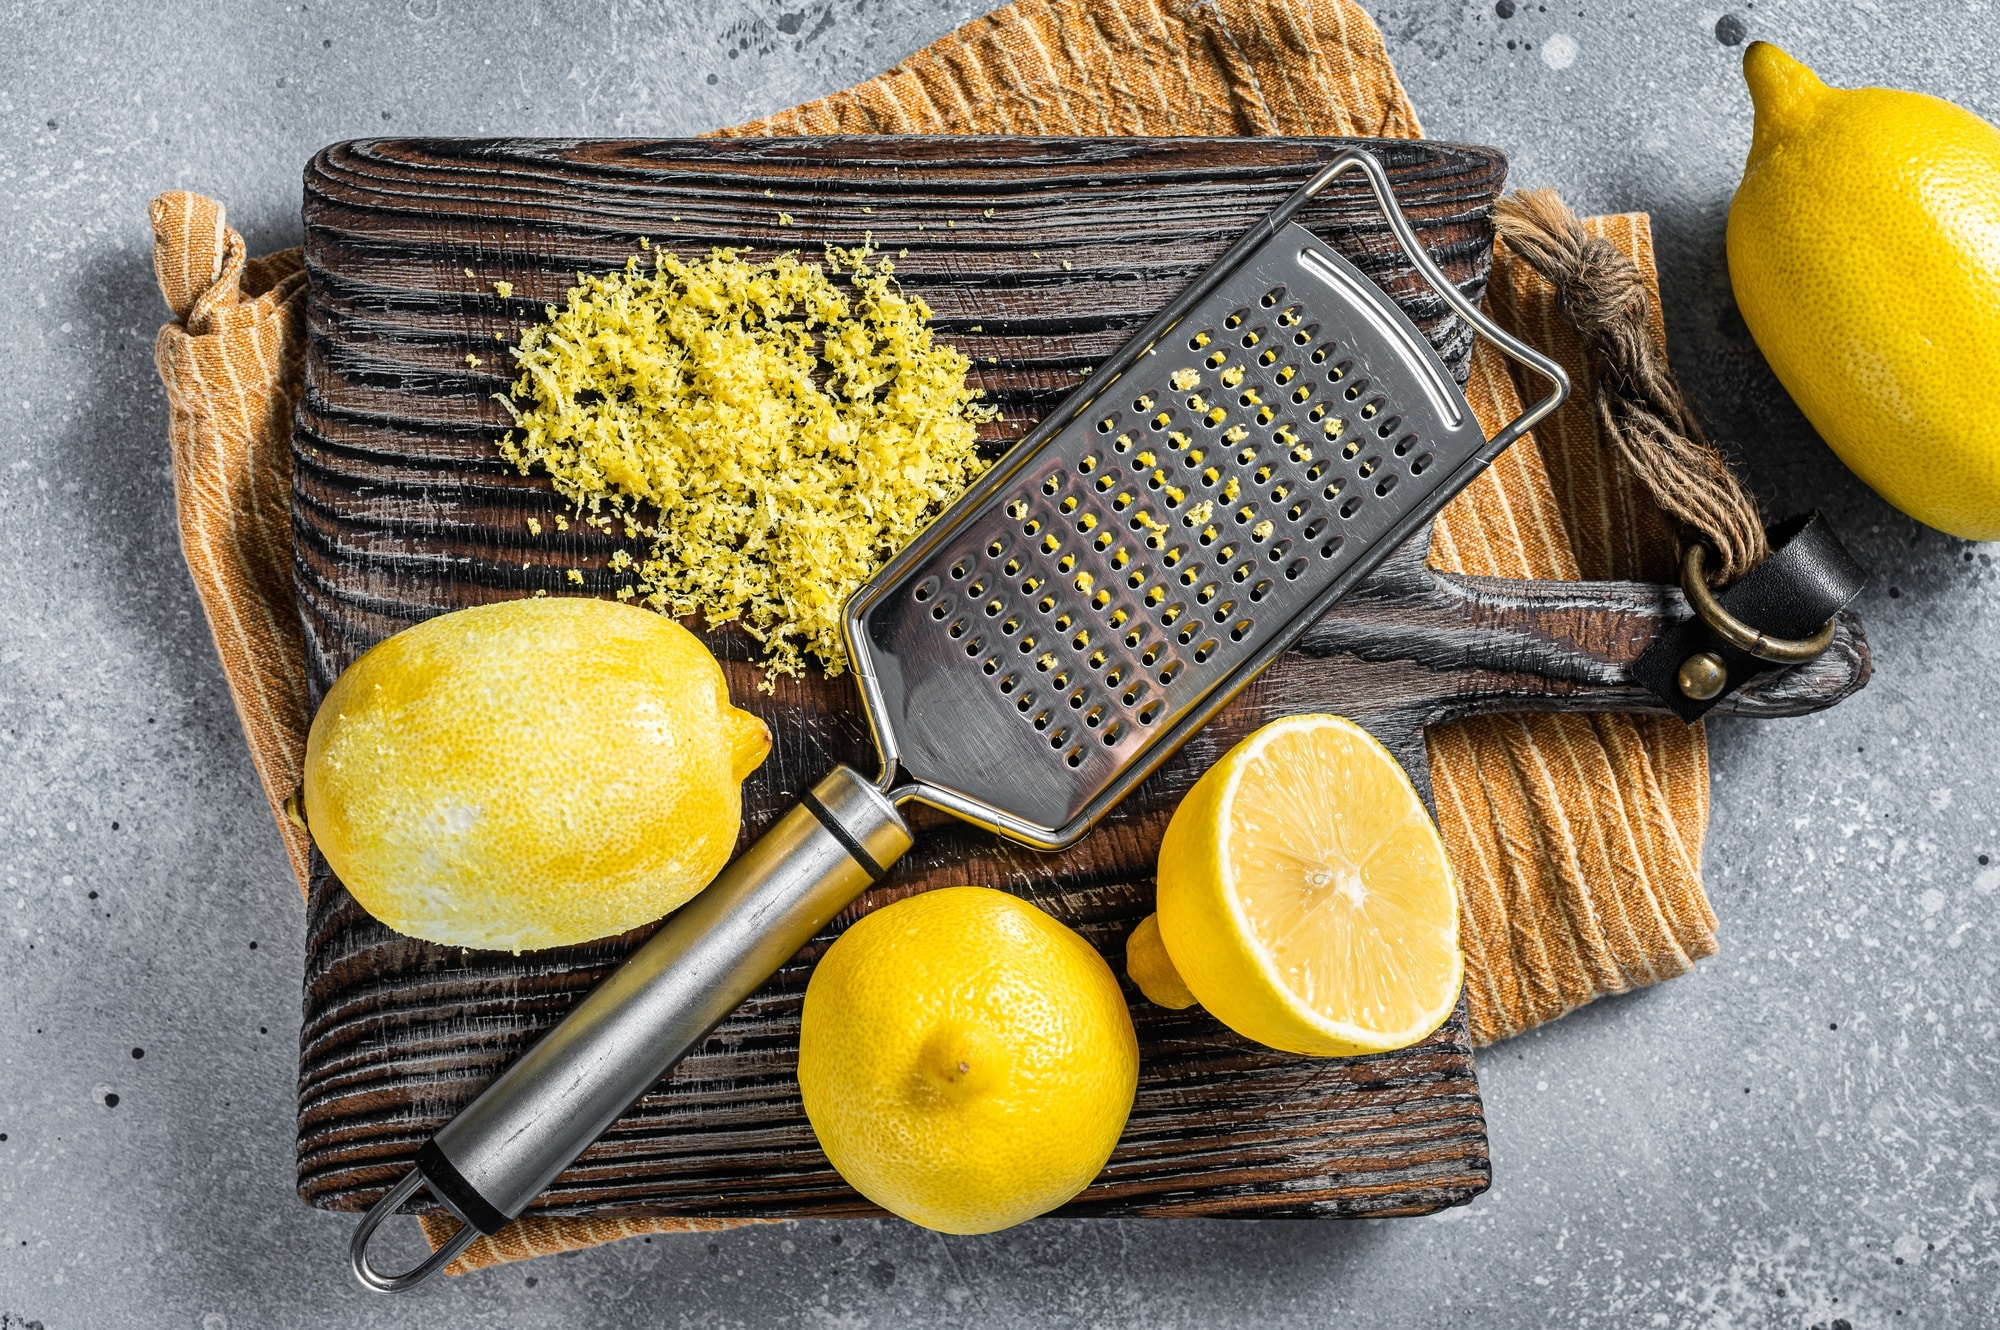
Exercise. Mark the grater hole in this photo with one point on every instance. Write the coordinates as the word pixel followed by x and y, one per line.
pixel 1295 512
pixel 1075 757
pixel 1280 550
pixel 957 628
pixel 1316 470
pixel 1059 738
pixel 1332 547
pixel 1242 573
pixel 1273 296
pixel 1217 359
pixel 1254 336
pixel 1351 449
pixel 937 611
pixel 1388 427
pixel 1354 389
pixel 1032 527
pixel 1236 320
pixel 1294 568
pixel 1076 700
pixel 1388 483
pixel 1198 341
pixel 927 588
pixel 1422 464
pixel 1025 704
pixel 1171 672
pixel 974 647
pixel 1204 651
pixel 991 665
pixel 1007 684
pixel 1261 590
pixel 1351 507
pixel 1113 734
pixel 1266 358
pixel 1321 354
pixel 1289 318
pixel 1333 491
pixel 1130 696
pixel 1368 412
pixel 1302 392
pixel 1370 467
pixel 1240 630
pixel 1314 527
pixel 1053 483
pixel 1106 425
pixel 1151 711
pixel 1087 465
pixel 1185 635
pixel 1094 717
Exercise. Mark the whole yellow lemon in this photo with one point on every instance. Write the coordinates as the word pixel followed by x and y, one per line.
pixel 1864 249
pixel 530 773
pixel 967 1062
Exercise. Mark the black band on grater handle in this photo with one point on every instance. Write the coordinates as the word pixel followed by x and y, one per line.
pixel 855 849
pixel 451 1187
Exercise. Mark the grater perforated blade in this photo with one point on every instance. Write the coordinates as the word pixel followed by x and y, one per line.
pixel 1134 561
pixel 1080 611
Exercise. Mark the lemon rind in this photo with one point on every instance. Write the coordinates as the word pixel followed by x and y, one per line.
pixel 1355 1037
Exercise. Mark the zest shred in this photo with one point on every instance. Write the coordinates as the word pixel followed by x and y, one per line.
pixel 790 434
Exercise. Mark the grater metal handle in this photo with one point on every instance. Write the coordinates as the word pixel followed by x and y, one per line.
pixel 1354 159
pixel 508 1145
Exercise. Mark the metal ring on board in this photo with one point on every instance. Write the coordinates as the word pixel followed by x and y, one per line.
pixel 1778 650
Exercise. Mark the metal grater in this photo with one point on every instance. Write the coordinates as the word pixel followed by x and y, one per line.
pixel 1054 636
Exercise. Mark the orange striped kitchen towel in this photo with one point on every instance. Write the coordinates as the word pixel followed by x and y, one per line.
pixel 1577 837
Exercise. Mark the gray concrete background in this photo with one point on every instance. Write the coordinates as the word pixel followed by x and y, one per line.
pixel 1803 1130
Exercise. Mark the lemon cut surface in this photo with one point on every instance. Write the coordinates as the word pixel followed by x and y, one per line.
pixel 1305 898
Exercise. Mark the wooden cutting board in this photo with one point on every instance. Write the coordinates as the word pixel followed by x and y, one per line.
pixel 1038 257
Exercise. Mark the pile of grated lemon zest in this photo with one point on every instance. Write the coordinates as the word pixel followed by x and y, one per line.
pixel 791 432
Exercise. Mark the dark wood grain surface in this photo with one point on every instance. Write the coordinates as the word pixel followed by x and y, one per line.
pixel 403 509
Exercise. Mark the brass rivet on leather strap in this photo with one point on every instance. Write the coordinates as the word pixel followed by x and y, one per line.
pixel 1778 650
pixel 1702 675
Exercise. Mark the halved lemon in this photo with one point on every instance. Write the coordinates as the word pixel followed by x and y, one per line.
pixel 1305 898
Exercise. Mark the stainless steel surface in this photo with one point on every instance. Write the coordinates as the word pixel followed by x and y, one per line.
pixel 1127 568
pixel 357 1247
pixel 541 1113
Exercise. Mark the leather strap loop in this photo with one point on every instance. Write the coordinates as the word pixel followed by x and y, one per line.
pixel 1809 578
